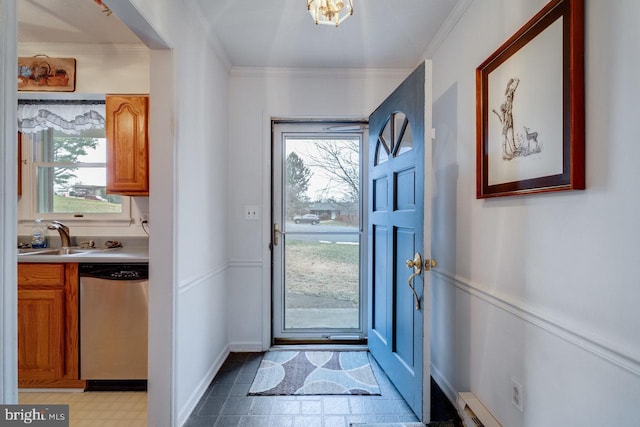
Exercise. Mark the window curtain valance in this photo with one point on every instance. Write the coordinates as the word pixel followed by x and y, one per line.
pixel 68 117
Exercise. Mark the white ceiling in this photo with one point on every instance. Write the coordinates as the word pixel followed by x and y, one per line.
pixel 69 21
pixel 274 33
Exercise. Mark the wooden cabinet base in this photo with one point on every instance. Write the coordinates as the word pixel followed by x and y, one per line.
pixel 48 326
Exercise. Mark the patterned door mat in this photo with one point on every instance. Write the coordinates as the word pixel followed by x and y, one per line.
pixel 286 373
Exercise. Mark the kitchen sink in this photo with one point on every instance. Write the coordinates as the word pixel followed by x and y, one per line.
pixel 55 251
pixel 28 251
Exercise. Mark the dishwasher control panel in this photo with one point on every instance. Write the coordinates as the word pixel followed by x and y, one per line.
pixel 115 271
pixel 126 274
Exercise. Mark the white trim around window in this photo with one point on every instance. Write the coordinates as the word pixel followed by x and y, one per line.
pixel 28 203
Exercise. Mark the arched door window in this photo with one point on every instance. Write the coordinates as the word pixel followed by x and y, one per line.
pixel 395 138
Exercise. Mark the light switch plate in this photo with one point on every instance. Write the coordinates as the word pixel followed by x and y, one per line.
pixel 252 213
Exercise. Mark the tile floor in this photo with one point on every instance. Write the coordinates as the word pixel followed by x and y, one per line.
pixel 226 403
pixel 96 408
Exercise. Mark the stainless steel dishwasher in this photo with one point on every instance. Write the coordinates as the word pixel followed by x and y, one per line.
pixel 113 325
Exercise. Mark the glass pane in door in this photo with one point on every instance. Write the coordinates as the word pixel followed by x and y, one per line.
pixel 322 282
pixel 322 233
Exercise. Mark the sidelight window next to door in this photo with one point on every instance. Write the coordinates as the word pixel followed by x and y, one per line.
pixel 317 249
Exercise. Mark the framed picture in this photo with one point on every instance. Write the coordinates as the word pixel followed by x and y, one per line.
pixel 45 74
pixel 530 107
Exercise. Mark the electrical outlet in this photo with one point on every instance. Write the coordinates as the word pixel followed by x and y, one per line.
pixel 144 218
pixel 517 395
pixel 252 212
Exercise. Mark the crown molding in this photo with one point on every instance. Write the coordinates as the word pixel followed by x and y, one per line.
pixel 447 26
pixel 319 72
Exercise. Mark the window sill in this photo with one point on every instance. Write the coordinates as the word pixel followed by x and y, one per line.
pixel 81 222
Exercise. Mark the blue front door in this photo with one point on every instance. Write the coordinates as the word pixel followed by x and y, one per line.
pixel 396 230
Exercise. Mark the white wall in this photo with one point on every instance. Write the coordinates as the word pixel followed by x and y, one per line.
pixel 541 288
pixel 202 260
pixel 256 96
pixel 100 69
pixel 188 256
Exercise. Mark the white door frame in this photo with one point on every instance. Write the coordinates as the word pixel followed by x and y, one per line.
pixel 279 129
pixel 428 183
pixel 8 203
pixel 161 406
pixel 267 197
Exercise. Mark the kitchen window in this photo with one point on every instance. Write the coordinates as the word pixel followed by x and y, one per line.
pixel 64 156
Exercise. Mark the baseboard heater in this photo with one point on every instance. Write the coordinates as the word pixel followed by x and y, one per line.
pixel 473 412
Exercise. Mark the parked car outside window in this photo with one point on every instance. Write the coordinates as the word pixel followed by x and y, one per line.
pixel 307 219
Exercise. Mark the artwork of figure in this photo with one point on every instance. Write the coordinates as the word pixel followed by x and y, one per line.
pixel 514 145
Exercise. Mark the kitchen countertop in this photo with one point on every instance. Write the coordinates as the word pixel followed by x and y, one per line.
pixel 116 255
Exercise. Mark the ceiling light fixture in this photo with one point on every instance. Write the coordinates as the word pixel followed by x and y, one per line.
pixel 330 12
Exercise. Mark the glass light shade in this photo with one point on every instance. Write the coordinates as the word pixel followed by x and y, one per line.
pixel 330 12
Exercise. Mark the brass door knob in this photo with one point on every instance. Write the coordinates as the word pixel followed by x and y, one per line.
pixel 430 264
pixel 415 263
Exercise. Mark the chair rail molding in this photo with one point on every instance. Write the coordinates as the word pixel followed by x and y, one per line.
pixel 195 280
pixel 583 340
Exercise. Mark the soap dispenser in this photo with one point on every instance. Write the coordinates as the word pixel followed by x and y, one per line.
pixel 38 237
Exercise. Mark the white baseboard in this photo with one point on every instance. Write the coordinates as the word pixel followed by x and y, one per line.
pixel 243 347
pixel 187 409
pixel 444 384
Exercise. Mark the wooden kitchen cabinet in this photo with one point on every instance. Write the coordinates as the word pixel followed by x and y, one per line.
pixel 127 144
pixel 48 326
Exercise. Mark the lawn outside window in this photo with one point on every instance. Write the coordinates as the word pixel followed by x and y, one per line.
pixel 66 177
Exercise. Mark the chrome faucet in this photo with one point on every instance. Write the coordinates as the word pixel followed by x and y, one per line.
pixel 63 230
